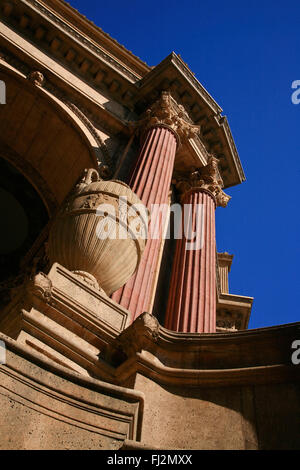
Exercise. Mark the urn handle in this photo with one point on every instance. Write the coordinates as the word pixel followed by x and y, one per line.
pixel 91 176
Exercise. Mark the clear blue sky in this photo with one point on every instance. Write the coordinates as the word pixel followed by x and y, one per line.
pixel 246 54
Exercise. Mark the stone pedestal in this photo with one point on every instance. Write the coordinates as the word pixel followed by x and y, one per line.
pixel 64 318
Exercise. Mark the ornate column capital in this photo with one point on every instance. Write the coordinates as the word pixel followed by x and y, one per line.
pixel 203 179
pixel 165 112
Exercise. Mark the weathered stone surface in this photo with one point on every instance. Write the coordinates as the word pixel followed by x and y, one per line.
pixel 46 407
pixel 221 418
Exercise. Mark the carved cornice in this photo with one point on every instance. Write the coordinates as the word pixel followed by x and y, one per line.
pixel 166 112
pixel 88 52
pixel 203 179
pixel 82 39
pixel 38 79
pixel 229 320
pixel 186 71
pixel 224 126
pixel 233 304
pixel 194 359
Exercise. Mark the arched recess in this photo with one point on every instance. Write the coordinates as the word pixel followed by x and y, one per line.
pixel 31 175
pixel 23 218
pixel 44 149
pixel 46 135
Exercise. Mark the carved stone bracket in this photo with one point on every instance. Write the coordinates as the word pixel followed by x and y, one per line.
pixel 145 328
pixel 166 112
pixel 207 178
pixel 40 286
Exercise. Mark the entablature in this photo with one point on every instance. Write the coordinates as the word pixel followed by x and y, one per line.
pixel 87 61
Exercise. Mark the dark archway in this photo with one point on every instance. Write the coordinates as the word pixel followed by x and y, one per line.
pixel 23 217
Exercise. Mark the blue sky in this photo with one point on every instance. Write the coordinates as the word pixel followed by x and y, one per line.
pixel 246 54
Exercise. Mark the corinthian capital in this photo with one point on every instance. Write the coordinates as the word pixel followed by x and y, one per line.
pixel 206 178
pixel 166 112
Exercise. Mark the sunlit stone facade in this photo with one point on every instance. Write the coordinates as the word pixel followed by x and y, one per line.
pixel 122 343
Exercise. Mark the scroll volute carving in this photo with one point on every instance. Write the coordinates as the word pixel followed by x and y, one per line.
pixel 166 112
pixel 206 178
pixel 40 286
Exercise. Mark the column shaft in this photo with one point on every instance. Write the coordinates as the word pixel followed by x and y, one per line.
pixel 192 297
pixel 150 181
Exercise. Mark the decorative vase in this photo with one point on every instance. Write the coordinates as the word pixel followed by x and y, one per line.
pixel 100 232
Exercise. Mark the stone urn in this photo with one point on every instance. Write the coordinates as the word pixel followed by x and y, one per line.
pixel 100 232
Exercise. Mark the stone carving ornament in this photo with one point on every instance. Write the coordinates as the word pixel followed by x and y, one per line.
pixel 40 286
pixel 207 178
pixel 143 330
pixel 36 78
pixel 166 112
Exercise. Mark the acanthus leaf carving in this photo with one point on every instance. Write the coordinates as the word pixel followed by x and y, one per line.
pixel 167 113
pixel 206 178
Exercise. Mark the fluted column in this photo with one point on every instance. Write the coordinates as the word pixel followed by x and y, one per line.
pixel 192 297
pixel 163 125
pixel 224 262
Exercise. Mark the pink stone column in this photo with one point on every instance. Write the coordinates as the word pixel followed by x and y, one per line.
pixel 164 124
pixel 150 180
pixel 192 296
